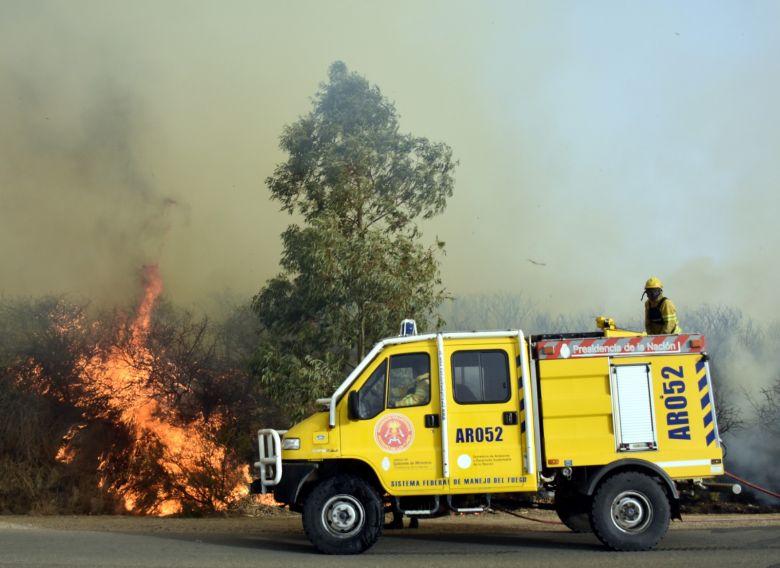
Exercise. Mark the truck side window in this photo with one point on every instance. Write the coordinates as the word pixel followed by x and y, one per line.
pixel 372 393
pixel 480 376
pixel 410 380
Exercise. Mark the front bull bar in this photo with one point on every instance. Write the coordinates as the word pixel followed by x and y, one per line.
pixel 269 442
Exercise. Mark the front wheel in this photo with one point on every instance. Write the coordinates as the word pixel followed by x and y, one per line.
pixel 630 512
pixel 343 515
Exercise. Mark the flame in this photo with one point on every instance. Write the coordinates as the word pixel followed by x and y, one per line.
pixel 120 378
pixel 267 500
pixel 66 452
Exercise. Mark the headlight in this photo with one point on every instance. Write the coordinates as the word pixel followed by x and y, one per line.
pixel 291 444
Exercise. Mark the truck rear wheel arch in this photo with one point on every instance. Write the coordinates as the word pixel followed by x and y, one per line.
pixel 595 477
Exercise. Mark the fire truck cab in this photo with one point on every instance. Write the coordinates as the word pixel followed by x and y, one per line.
pixel 611 421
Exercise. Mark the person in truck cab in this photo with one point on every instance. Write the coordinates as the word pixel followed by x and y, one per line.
pixel 419 393
pixel 660 313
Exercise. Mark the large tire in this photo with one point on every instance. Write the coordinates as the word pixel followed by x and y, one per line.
pixel 343 515
pixel 574 511
pixel 630 512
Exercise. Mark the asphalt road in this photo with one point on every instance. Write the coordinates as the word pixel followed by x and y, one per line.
pixel 451 542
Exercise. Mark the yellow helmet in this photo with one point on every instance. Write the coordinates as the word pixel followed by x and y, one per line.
pixel 653 282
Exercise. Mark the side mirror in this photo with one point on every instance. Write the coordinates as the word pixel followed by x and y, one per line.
pixel 353 406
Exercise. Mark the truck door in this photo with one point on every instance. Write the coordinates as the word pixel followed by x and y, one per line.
pixel 399 433
pixel 485 417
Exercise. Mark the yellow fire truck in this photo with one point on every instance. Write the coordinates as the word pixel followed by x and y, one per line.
pixel 612 421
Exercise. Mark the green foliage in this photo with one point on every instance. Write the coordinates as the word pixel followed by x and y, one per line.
pixel 295 381
pixel 355 268
pixel 348 160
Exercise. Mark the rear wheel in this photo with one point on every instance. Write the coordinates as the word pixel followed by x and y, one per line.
pixel 574 511
pixel 630 512
pixel 343 515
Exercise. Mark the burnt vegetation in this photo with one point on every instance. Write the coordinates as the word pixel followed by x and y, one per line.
pixel 67 447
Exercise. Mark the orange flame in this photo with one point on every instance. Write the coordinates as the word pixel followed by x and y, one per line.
pixel 121 378
pixel 67 453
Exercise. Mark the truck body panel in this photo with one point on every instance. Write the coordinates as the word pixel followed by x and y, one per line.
pixel 600 405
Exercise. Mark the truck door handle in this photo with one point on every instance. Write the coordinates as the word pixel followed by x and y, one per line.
pixel 431 420
pixel 510 418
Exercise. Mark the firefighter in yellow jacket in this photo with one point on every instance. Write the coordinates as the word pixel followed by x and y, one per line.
pixel 417 394
pixel 660 313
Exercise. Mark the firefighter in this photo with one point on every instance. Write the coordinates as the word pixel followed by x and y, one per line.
pixel 660 313
pixel 419 394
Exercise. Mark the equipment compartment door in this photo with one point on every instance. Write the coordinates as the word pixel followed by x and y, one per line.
pixel 632 402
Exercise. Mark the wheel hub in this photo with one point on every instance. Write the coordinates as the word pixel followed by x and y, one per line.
pixel 343 515
pixel 631 512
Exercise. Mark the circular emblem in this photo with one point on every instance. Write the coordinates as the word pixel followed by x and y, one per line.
pixel 565 351
pixel 394 433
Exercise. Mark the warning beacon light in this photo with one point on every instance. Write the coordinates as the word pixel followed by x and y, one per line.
pixel 408 327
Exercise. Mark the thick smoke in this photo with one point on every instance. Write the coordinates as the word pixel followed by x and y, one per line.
pixel 597 146
pixel 82 210
pixel 749 361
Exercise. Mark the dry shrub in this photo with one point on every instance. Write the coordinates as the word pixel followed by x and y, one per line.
pixel 197 373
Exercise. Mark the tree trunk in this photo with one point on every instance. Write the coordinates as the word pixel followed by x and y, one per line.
pixel 362 338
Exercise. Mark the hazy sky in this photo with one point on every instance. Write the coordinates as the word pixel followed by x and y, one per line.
pixel 609 141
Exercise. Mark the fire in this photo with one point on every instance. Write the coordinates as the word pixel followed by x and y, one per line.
pixel 266 500
pixel 66 453
pixel 185 455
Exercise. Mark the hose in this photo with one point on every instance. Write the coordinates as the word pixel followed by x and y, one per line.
pixel 519 516
pixel 753 485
